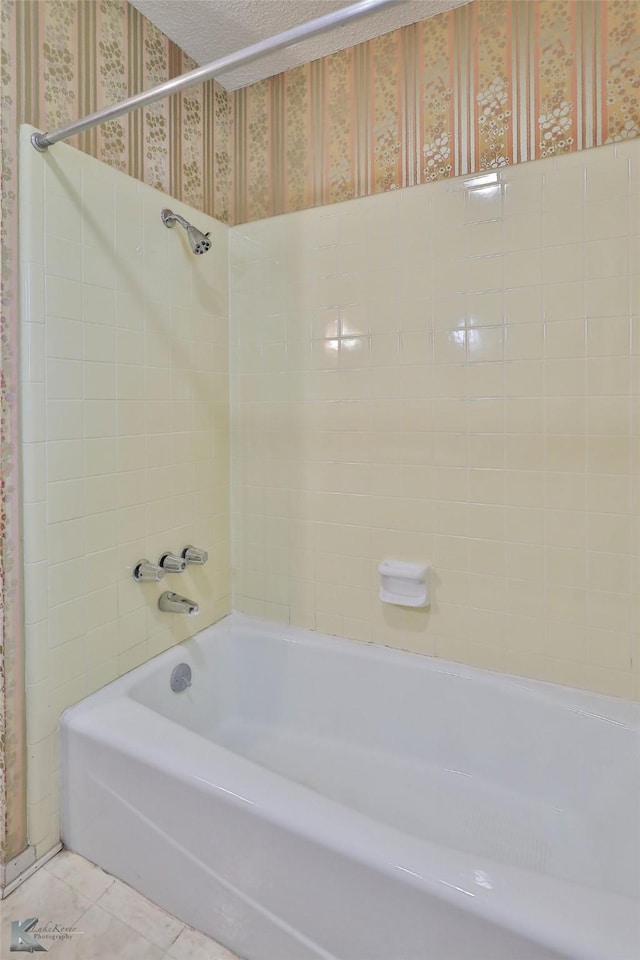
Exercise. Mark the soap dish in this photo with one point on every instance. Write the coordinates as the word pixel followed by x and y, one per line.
pixel 405 584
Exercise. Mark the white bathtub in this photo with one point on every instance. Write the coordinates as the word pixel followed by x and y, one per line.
pixel 312 797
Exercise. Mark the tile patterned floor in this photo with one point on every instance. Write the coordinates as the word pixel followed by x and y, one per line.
pixel 112 920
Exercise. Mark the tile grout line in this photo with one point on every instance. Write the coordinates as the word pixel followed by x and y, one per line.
pixel 155 906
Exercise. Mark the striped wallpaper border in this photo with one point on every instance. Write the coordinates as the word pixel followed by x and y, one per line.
pixel 490 83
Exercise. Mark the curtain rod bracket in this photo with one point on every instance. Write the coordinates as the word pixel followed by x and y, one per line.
pixel 40 142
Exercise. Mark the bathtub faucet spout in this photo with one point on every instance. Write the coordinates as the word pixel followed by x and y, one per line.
pixel 174 603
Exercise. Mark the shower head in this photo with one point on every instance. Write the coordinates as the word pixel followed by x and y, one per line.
pixel 198 241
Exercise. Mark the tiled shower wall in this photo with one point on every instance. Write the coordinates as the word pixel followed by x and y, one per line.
pixel 124 435
pixel 62 60
pixel 448 374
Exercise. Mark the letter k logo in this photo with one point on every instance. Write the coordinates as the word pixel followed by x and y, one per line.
pixel 21 941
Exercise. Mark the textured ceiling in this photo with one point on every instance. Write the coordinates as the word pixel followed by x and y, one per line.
pixel 209 29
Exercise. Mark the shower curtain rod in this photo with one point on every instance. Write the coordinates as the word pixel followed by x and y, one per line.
pixel 304 30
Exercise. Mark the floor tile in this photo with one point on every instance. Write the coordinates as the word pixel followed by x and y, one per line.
pixel 80 874
pixel 102 937
pixel 120 925
pixel 137 912
pixel 46 894
pixel 192 945
pixel 47 898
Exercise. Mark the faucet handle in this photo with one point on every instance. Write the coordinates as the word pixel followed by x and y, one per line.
pixel 172 564
pixel 145 572
pixel 195 555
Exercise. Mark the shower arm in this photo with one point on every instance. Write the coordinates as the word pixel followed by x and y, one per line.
pixel 41 141
pixel 169 218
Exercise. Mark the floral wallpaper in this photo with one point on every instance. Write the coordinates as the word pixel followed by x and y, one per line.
pixel 60 60
pixel 490 83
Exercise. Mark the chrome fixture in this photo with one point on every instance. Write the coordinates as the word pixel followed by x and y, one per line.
pixel 174 603
pixel 180 678
pixel 195 555
pixel 145 572
pixel 172 564
pixel 198 241
pixel 41 141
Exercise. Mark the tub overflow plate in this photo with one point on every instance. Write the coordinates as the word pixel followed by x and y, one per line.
pixel 180 677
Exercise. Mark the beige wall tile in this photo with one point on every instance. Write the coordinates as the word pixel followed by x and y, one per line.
pixel 87 374
pixel 493 442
